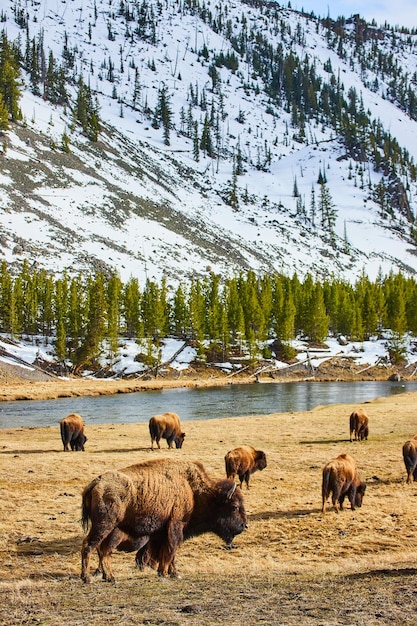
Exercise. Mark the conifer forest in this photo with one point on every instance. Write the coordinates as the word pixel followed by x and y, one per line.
pixel 81 314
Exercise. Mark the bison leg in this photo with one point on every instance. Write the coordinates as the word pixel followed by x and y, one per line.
pixel 85 561
pixel 104 565
pixel 411 467
pixel 336 495
pixel 149 553
pixel 341 500
pixel 144 555
pixel 105 549
pixel 93 540
pixel 352 496
pixel 169 546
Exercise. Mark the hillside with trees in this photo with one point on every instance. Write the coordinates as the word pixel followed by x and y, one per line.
pixel 234 175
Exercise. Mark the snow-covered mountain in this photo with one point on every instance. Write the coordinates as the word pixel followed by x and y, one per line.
pixel 240 174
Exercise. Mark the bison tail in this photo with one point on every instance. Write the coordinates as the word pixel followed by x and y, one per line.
pixel 325 487
pixel 86 505
pixel 64 432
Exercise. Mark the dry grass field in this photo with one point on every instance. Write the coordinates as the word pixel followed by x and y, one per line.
pixel 293 565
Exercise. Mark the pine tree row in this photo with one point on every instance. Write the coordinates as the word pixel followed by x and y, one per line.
pixel 82 314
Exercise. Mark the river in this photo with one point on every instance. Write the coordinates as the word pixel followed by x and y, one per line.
pixel 197 404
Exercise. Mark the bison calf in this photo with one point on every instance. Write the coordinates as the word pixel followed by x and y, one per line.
pixel 358 424
pixel 166 426
pixel 341 479
pixel 243 461
pixel 72 432
pixel 410 458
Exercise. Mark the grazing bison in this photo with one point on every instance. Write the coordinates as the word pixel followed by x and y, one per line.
pixel 72 432
pixel 341 478
pixel 410 458
pixel 152 507
pixel 358 423
pixel 166 426
pixel 244 461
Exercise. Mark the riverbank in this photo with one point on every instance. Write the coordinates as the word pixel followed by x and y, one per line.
pixel 24 384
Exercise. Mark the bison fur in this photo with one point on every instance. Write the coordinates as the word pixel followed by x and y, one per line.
pixel 152 507
pixel 244 461
pixel 341 479
pixel 166 426
pixel 72 432
pixel 359 425
pixel 410 459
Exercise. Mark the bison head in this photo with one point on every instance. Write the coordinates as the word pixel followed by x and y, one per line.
pixel 360 492
pixel 260 460
pixel 78 443
pixel 229 515
pixel 179 440
pixel 363 433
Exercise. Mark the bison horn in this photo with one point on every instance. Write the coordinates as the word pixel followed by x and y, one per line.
pixel 231 491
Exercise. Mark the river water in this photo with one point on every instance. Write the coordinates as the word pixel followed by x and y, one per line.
pixel 197 404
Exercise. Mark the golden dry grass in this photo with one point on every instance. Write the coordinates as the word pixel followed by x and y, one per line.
pixel 293 565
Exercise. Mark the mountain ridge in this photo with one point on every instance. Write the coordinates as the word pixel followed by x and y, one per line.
pixel 138 201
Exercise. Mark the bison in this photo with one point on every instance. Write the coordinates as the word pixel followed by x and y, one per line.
pixel 358 423
pixel 152 507
pixel 244 461
pixel 166 426
pixel 341 478
pixel 72 432
pixel 410 458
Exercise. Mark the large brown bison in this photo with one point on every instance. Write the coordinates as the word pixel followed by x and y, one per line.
pixel 243 461
pixel 341 479
pixel 410 458
pixel 358 424
pixel 152 507
pixel 166 426
pixel 72 432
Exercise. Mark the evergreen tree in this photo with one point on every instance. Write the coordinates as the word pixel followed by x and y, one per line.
pixel 76 315
pixel 163 113
pixel 155 312
pixel 316 322
pixel 235 317
pixel 9 79
pixel 196 142
pixel 114 291
pixel 86 111
pixel 206 144
pixel 132 308
pixel 197 308
pixel 65 142
pixel 180 313
pixel 90 349
pixel 7 301
pixel 60 341
pixel 327 210
pixel 4 115
pixel 313 208
pixel 61 295
pixel 396 318
pixel 254 318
